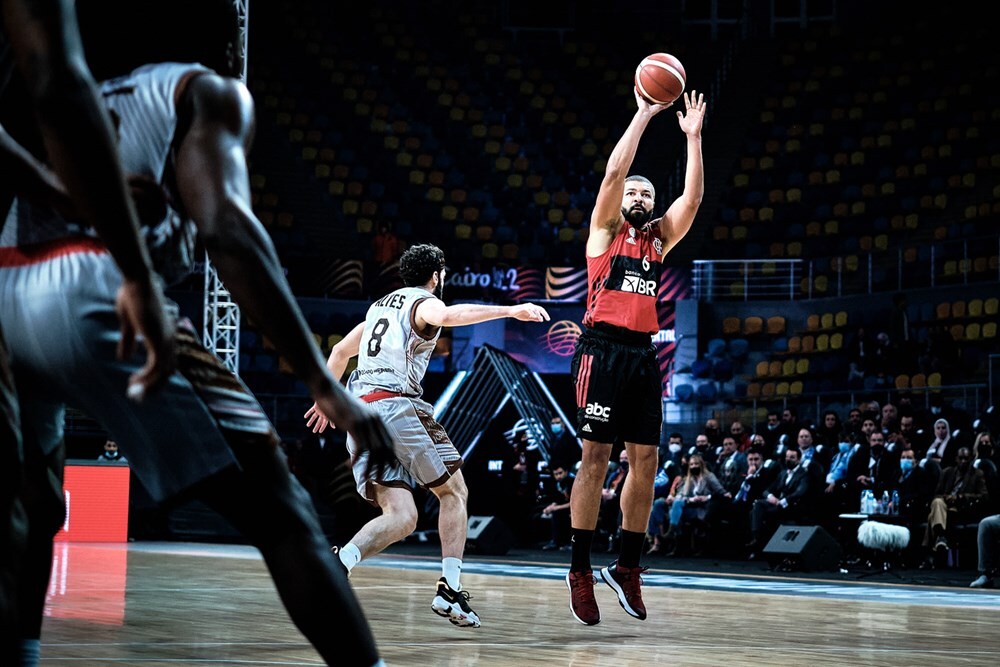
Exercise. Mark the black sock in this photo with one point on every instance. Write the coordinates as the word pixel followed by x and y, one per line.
pixel 631 549
pixel 582 541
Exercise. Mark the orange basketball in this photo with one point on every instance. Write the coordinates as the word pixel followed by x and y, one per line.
pixel 660 78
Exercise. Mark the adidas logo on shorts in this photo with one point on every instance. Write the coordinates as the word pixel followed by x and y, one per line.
pixel 586 428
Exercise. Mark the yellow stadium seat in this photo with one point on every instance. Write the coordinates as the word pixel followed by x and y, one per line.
pixel 990 330
pixel 753 325
pixel 822 342
pixel 934 379
pixel 788 367
pixel 795 344
pixel 802 367
pixel 975 308
pixel 990 306
pixel 763 368
pixel 902 381
pixel 836 341
pixel 730 326
pixel 795 387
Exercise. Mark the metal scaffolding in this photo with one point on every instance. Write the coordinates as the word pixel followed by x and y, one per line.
pixel 221 319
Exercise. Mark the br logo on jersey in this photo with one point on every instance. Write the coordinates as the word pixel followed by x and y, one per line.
pixel 634 274
pixel 598 412
pixel 638 285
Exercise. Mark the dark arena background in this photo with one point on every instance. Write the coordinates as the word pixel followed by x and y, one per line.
pixel 845 259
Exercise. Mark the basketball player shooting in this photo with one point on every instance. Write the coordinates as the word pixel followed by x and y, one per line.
pixel 615 368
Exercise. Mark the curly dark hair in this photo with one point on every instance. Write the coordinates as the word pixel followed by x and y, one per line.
pixel 419 263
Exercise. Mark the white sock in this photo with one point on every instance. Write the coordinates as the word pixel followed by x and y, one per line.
pixel 451 569
pixel 350 555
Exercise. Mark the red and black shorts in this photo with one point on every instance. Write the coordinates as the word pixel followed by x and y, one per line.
pixel 618 387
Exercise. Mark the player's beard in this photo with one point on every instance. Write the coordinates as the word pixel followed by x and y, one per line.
pixel 439 290
pixel 637 216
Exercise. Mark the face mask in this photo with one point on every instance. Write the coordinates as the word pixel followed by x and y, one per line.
pixel 695 470
pixel 791 464
pixel 623 465
pixel 674 447
pixel 906 465
pixel 844 447
pixel 557 429
pixel 935 410
pixel 771 427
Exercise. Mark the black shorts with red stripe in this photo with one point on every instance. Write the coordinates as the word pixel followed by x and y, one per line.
pixel 618 387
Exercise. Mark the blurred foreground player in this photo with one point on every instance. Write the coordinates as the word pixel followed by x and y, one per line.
pixel 41 38
pixel 183 131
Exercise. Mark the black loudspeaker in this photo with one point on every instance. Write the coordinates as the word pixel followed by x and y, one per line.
pixel 804 548
pixel 488 535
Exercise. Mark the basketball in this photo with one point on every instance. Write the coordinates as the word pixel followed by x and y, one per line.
pixel 660 78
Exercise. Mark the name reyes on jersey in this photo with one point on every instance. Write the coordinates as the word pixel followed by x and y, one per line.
pixel 632 274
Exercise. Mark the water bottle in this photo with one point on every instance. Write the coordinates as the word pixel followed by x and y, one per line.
pixel 895 502
pixel 863 507
pixel 883 507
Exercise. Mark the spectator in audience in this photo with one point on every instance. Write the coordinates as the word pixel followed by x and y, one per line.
pixel 829 432
pixel 901 336
pixel 786 500
pixel 942 449
pixel 982 457
pixel 790 424
pixel 564 446
pixel 868 426
pixel 689 505
pixel 874 468
pixel 808 454
pixel 771 430
pixel 914 487
pixel 881 362
pixel 908 430
pixel 712 432
pixel 760 474
pixel 385 245
pixel 989 544
pixel 852 427
pixel 959 497
pixel 738 431
pixel 838 494
pixel 111 453
pixel 673 450
pixel 610 516
pixel 858 350
pixel 890 420
pixel 557 510
pixel 730 465
pixel 703 446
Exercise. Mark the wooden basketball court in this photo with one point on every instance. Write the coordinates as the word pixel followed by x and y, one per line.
pixel 194 604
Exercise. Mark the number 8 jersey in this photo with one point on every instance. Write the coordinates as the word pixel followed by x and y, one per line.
pixel 393 355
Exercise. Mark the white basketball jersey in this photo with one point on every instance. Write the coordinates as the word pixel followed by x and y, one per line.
pixel 142 106
pixel 393 356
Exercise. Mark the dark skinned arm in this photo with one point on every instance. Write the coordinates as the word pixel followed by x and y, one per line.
pixel 214 188
pixel 79 140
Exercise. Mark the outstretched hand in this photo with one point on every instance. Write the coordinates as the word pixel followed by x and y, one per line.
pixel 646 105
pixel 691 119
pixel 364 425
pixel 529 312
